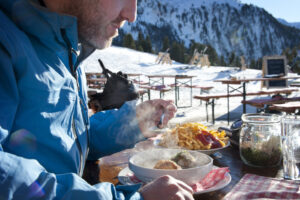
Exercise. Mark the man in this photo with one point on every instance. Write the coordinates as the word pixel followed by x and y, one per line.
pixel 45 134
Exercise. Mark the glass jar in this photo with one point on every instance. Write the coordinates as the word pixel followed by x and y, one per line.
pixel 260 140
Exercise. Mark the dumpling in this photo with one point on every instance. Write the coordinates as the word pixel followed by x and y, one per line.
pixel 184 159
pixel 166 164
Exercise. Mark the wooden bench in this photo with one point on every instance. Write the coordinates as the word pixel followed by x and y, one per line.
pixel 141 93
pixel 96 82
pixel 192 86
pixel 261 103
pixel 140 82
pixel 289 107
pixel 295 85
pixel 94 74
pixel 203 89
pixel 161 88
pixel 210 99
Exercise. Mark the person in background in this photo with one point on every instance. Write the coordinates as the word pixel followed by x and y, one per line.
pixel 45 133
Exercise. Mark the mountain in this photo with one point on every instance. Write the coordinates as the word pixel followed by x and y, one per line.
pixel 227 25
pixel 293 24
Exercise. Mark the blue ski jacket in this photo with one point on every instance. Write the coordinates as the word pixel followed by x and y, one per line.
pixel 45 133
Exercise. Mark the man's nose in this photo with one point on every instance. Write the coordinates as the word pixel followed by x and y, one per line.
pixel 129 11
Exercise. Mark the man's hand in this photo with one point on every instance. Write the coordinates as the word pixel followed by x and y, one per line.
pixel 167 188
pixel 149 114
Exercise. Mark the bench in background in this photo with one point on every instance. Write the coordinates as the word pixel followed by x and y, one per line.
pixel 210 99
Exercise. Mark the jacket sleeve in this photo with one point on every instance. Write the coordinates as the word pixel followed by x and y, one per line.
pixel 22 178
pixel 114 130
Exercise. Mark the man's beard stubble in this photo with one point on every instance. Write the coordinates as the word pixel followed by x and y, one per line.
pixel 91 28
pixel 92 33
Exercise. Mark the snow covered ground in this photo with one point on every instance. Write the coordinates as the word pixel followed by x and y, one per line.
pixel 131 61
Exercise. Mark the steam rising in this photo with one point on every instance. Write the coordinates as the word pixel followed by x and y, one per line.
pixel 149 158
pixel 125 135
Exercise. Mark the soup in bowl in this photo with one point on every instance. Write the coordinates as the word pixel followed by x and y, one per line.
pixel 185 165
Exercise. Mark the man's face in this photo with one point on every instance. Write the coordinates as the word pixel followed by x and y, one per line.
pixel 99 20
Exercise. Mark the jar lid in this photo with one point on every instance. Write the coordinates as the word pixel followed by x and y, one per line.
pixel 262 118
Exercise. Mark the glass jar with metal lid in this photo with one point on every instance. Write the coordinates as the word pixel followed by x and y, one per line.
pixel 260 140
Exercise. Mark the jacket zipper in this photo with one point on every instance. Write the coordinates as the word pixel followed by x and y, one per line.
pixel 86 128
pixel 74 132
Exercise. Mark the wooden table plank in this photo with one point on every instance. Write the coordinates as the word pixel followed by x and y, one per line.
pixel 230 157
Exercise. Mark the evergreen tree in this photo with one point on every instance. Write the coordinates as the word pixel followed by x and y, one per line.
pixel 212 55
pixel 166 44
pixel 288 55
pixel 237 62
pixel 210 51
pixel 182 52
pixel 259 63
pixel 147 45
pixel 292 60
pixel 253 64
pixel 194 45
pixel 222 61
pixel 140 40
pixel 296 62
pixel 231 59
pixel 140 48
pixel 187 58
pixel 256 64
pixel 177 52
pixel 128 41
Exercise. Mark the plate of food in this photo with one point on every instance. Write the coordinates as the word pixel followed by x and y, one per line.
pixel 126 177
pixel 193 136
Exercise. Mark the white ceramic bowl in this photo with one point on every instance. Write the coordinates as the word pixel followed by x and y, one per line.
pixel 142 163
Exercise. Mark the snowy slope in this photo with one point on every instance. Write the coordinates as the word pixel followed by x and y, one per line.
pixel 131 61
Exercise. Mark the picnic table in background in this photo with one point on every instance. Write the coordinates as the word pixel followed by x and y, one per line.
pixel 241 88
pixel 210 99
pixel 179 81
pixel 229 82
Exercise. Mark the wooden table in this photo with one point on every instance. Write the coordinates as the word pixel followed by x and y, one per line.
pixel 228 157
